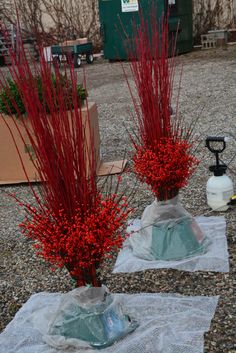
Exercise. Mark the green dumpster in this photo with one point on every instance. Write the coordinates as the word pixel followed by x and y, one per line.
pixel 181 18
pixel 117 17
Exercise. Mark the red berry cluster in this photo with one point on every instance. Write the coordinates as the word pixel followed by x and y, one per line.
pixel 166 166
pixel 81 243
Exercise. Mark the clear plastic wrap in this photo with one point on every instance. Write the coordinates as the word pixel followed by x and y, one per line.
pixel 89 317
pixel 168 232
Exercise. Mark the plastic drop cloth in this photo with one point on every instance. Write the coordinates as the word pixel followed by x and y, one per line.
pixel 214 258
pixel 89 316
pixel 168 323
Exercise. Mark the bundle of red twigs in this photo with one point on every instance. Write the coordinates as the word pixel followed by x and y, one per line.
pixel 74 224
pixel 162 156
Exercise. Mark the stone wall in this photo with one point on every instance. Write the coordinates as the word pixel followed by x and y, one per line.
pixel 212 14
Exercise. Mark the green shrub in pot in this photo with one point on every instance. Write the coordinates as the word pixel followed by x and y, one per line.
pixel 9 98
pixel 11 101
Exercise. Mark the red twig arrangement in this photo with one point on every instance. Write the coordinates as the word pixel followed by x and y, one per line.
pixel 72 222
pixel 162 156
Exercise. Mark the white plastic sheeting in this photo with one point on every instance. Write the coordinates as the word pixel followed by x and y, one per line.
pixel 214 259
pixel 168 323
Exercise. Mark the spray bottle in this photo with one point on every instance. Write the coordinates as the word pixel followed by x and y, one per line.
pixel 219 187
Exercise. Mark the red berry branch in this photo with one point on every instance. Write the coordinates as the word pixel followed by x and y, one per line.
pixel 74 224
pixel 166 167
pixel 82 242
pixel 162 157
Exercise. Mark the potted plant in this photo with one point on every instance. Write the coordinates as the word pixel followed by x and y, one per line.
pixel 163 147
pixel 15 118
pixel 74 223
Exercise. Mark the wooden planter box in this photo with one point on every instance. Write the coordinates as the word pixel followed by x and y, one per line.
pixel 11 170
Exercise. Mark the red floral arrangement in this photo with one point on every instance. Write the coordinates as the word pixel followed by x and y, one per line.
pixel 73 222
pixel 167 168
pixel 162 157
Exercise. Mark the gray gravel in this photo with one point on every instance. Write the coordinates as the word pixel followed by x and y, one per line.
pixel 208 89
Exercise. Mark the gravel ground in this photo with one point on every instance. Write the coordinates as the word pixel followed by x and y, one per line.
pixel 208 90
